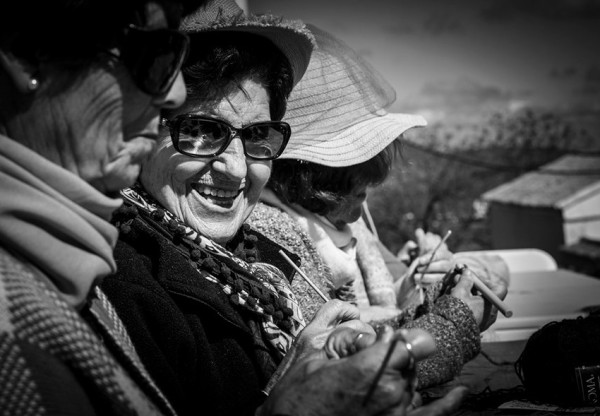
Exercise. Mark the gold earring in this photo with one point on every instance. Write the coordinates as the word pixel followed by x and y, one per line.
pixel 33 84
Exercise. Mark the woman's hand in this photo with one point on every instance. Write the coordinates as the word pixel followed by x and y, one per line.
pixel 463 289
pixel 319 386
pixel 345 341
pixel 443 261
pixel 493 272
pixel 484 312
pixel 333 314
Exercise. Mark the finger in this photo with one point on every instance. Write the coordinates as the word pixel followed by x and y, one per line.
pixel 348 338
pixel 417 401
pixel 340 343
pixel 385 333
pixel 358 326
pixel 463 287
pixel 334 312
pixel 437 266
pixel 437 256
pixel 409 245
pixel 364 341
pixel 420 236
pixel 444 406
pixel 423 344
pixel 429 242
pixel 430 278
pixel 344 342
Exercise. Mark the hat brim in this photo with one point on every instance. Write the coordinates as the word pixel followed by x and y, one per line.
pixel 353 145
pixel 291 37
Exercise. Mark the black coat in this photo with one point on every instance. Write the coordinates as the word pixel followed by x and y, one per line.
pixel 198 347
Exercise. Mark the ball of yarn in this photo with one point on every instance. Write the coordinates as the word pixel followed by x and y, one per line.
pixel 548 363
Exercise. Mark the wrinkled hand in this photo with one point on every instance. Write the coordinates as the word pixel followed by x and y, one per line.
pixel 443 261
pixel 463 289
pixel 493 275
pixel 447 405
pixel 319 386
pixel 332 315
pixel 345 341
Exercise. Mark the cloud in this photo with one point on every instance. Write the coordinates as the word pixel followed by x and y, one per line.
pixel 590 83
pixel 502 10
pixel 399 29
pixel 464 92
pixel 592 75
pixel 442 23
pixel 568 72
pixel 463 98
pixel 365 52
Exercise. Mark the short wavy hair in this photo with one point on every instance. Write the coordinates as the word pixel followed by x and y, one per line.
pixel 220 61
pixel 320 189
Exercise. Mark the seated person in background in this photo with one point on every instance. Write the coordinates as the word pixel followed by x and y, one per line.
pixel 209 316
pixel 343 142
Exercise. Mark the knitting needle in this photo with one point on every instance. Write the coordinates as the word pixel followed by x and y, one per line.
pixel 305 277
pixel 410 367
pixel 418 283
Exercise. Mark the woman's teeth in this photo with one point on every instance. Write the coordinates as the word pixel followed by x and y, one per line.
pixel 217 196
pixel 221 193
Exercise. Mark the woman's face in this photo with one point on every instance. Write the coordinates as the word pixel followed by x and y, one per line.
pixel 213 195
pixel 349 209
pixel 113 124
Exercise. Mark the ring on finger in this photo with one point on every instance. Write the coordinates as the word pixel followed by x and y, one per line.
pixel 410 365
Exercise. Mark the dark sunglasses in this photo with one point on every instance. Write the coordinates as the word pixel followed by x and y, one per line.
pixel 200 136
pixel 153 57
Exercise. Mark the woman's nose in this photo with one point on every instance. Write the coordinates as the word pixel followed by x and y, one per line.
pixel 175 96
pixel 232 162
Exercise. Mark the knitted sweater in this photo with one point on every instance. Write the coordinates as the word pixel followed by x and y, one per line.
pixel 55 360
pixel 448 319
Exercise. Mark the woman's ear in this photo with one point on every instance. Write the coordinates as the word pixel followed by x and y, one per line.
pixel 19 71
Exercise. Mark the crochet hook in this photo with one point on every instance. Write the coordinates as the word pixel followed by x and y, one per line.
pixel 305 277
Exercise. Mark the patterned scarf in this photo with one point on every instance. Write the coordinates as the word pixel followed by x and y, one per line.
pixel 256 287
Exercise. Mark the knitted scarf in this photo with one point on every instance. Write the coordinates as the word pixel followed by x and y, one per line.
pixel 351 254
pixel 56 221
pixel 336 247
pixel 260 288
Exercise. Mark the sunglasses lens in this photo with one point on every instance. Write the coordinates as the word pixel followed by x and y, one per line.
pixel 200 137
pixel 154 57
pixel 265 140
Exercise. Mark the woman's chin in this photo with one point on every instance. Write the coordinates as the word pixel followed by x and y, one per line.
pixel 215 219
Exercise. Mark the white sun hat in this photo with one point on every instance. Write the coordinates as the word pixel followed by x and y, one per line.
pixel 337 110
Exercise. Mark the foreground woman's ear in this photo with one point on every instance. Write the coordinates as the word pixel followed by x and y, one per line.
pixel 19 71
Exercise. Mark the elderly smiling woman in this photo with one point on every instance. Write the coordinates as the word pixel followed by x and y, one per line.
pixel 207 301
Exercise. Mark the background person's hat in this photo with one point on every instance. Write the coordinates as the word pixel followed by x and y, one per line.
pixel 291 37
pixel 337 111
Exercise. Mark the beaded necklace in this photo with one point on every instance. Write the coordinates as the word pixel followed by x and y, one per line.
pixel 259 288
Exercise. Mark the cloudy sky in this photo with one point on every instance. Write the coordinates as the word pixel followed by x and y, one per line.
pixel 451 59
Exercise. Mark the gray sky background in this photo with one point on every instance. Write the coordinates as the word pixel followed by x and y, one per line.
pixel 461 59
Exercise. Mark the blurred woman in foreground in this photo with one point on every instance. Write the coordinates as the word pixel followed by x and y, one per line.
pixel 81 88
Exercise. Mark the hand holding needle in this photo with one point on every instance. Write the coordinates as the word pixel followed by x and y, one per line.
pixel 413 267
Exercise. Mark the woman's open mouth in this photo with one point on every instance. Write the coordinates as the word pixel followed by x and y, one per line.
pixel 217 196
